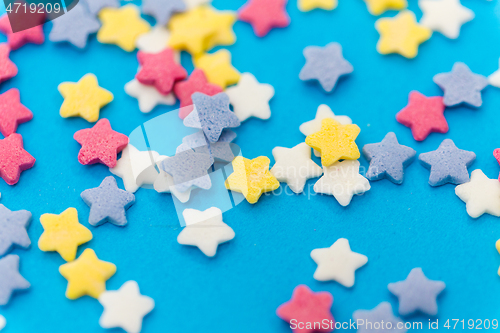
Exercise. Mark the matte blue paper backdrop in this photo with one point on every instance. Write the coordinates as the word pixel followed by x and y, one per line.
pixel 397 227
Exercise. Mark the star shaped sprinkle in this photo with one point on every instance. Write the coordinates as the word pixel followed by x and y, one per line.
pixel 461 86
pixel 493 79
pixel 448 164
pixel 382 313
pixel 218 69
pixel 308 5
pixel 220 150
pixel 13 226
pixel 3 322
pixel 154 41
pixel 7 68
pixel 13 158
pixel 95 6
pixel 335 141
pixel 250 98
pixel 188 168
pixel 63 233
pixel 342 180
pixel 444 16
pixel 423 115
pixel 121 26
pixel 15 40
pixel 197 82
pixel 417 293
pixel 12 112
pixel 264 15
pixel 108 203
pixel 306 306
pixel 164 183
pixel 325 64
pixel 481 195
pixel 162 10
pixel 377 7
pixel 159 70
pixel 74 26
pixel 148 96
pixel 84 98
pixel 125 307
pixel 100 144
pixel 251 178
pixel 212 115
pixel 294 166
pixel 136 168
pixel 10 279
pixel 401 34
pixel 222 23
pixel 337 263
pixel 205 230
pixel 388 159
pixel 87 275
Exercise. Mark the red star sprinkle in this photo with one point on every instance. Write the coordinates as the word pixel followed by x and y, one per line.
pixel 13 158
pixel 100 144
pixel 17 39
pixel 160 70
pixel 12 112
pixel 264 15
pixel 7 67
pixel 423 115
pixel 197 82
pixel 307 307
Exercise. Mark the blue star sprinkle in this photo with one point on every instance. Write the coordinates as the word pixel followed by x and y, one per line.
pixel 188 168
pixel 417 293
pixel 10 279
pixel 212 115
pixel 448 164
pixel 108 203
pixel 387 159
pixel 325 64
pixel 461 86
pixel 220 150
pixel 381 319
pixel 13 229
pixel 74 27
pixel 162 10
pixel 95 6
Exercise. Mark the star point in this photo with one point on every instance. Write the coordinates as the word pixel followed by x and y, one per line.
pixel 381 313
pixel 335 141
pixel 308 5
pixel 378 7
pixel 87 275
pixel 251 178
pixel 417 293
pixel 388 159
pixel 13 225
pixel 250 98
pixel 7 68
pixel 445 16
pixel 217 67
pixel 481 195
pixel 63 233
pixel 162 10
pixel 12 112
pixel 15 40
pixel 401 34
pixel 337 263
pixel 264 15
pixel 121 26
pixel 84 98
pixel 325 64
pixel 13 158
pixel 148 96
pixel 10 279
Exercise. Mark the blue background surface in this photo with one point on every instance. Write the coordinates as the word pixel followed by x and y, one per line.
pixel 397 227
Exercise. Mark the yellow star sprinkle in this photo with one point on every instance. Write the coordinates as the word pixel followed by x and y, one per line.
pixel 86 275
pixel 401 34
pixel 377 7
pixel 191 30
pixel 84 98
pixel 335 141
pixel 251 178
pixel 63 233
pixel 307 5
pixel 121 26
pixel 222 22
pixel 218 69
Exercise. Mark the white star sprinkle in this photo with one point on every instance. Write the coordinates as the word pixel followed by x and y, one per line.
pixel 494 79
pixel 342 180
pixel 164 183
pixel 153 41
pixel 444 16
pixel 481 195
pixel 205 230
pixel 337 263
pixel 147 96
